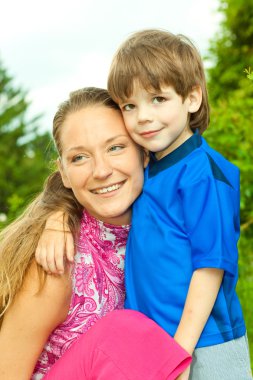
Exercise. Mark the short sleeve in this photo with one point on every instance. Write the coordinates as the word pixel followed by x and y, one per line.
pixel 210 209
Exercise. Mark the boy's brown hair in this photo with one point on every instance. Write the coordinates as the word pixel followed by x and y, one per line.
pixel 156 58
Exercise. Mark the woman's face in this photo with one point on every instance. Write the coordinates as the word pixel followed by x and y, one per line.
pixel 101 163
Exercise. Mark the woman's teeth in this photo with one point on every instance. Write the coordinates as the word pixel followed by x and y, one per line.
pixel 107 189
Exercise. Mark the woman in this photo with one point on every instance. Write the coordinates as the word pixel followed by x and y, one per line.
pixel 43 317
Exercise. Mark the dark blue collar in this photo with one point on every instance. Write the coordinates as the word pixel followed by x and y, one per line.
pixel 156 166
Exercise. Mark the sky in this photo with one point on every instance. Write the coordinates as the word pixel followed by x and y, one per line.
pixel 53 47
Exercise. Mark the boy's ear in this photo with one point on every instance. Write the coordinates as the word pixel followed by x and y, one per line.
pixel 195 98
pixel 64 178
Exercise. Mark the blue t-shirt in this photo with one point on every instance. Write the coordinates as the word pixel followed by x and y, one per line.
pixel 186 218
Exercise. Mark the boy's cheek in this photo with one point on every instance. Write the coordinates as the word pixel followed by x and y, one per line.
pixel 129 124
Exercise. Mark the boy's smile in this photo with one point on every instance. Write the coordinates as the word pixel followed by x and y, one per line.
pixel 149 134
pixel 159 121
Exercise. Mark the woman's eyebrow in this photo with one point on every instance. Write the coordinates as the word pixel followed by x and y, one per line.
pixel 79 147
pixel 108 141
pixel 111 139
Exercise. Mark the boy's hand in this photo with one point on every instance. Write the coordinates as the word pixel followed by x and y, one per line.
pixel 53 247
pixel 55 243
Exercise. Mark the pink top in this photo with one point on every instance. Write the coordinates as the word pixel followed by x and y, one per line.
pixel 98 286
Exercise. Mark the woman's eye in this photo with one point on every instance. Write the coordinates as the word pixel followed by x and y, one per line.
pixel 116 148
pixel 128 107
pixel 158 99
pixel 79 157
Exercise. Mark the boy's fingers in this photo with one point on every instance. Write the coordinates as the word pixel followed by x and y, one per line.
pixel 40 258
pixel 47 259
pixel 59 258
pixel 43 249
pixel 51 249
pixel 55 256
pixel 62 248
pixel 70 249
pixel 37 254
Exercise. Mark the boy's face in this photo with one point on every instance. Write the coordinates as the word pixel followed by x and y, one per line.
pixel 159 121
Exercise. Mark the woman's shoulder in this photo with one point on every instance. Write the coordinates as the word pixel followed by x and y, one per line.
pixel 40 305
pixel 42 290
pixel 38 282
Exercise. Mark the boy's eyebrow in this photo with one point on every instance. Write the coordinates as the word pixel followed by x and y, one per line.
pixel 161 91
pixel 108 141
pixel 123 101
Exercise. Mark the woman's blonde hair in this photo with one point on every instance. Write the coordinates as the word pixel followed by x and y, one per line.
pixel 156 58
pixel 85 97
pixel 19 240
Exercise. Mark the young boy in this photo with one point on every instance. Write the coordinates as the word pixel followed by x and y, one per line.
pixel 181 260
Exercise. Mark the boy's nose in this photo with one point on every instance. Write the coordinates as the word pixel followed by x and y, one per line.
pixel 144 115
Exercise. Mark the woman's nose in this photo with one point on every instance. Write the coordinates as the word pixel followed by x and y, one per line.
pixel 102 168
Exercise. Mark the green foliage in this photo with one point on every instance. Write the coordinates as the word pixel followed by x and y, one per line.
pixel 249 73
pixel 232 48
pixel 230 132
pixel 245 284
pixel 24 153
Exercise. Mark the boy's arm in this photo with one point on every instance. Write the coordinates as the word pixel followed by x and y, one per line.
pixel 55 242
pixel 202 293
pixel 29 321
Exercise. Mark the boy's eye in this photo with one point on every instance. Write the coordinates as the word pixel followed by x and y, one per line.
pixel 158 99
pixel 127 107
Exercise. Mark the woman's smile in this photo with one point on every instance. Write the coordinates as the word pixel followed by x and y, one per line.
pixel 108 189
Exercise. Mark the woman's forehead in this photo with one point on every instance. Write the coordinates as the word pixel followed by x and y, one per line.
pixel 102 122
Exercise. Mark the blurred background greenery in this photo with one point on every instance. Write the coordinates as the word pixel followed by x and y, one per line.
pixel 26 154
pixel 230 85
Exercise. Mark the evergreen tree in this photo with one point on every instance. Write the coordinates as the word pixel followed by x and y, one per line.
pixel 24 153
